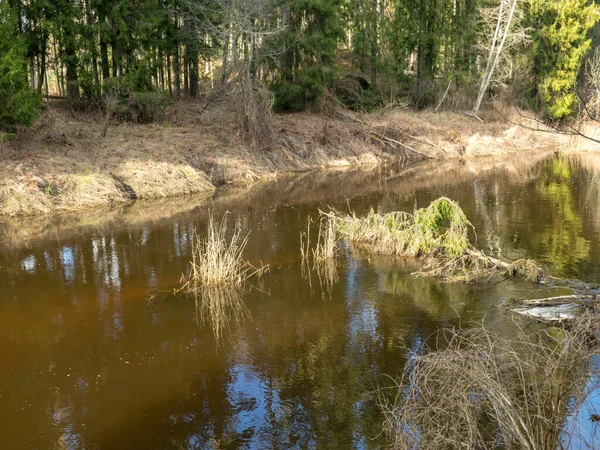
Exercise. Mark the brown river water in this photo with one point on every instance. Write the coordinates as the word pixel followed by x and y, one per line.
pixel 97 352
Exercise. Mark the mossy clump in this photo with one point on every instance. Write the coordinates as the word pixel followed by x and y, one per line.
pixel 442 227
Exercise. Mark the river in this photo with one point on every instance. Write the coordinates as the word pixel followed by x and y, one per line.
pixel 98 352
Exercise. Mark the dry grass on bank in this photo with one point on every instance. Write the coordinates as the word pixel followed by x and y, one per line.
pixel 65 163
pixel 480 390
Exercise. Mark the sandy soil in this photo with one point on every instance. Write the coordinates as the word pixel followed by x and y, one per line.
pixel 64 163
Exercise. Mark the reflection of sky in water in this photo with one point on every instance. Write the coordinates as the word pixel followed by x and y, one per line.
pixel 585 434
pixel 113 277
pixel 28 264
pixel 68 263
pixel 48 261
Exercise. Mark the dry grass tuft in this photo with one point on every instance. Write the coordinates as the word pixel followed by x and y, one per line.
pixel 480 390
pixel 526 268
pixel 218 277
pixel 217 262
pixel 321 258
pixel 18 199
pixel 154 179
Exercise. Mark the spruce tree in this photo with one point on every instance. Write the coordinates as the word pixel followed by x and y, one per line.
pixel 561 42
pixel 18 103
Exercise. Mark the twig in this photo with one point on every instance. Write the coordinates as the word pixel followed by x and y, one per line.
pixel 444 96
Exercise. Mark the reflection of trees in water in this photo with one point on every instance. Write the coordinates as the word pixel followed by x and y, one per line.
pixel 549 222
pixel 440 300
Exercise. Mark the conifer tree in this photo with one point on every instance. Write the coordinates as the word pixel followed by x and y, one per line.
pixel 18 103
pixel 561 43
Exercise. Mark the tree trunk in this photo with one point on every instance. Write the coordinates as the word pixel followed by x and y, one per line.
pixel 224 68
pixel 501 32
pixel 374 43
pixel 115 57
pixel 191 53
pixel 169 83
pixel 71 64
pixel 177 72
pixel 104 54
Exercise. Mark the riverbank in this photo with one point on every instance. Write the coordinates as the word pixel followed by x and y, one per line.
pixel 317 186
pixel 64 163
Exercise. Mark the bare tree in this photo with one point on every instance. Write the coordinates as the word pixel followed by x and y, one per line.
pixel 245 28
pixel 504 14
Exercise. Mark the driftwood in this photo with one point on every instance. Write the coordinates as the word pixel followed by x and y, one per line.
pixel 553 309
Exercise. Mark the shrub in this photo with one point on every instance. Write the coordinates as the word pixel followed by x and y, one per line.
pixel 123 101
pixel 304 91
pixel 357 94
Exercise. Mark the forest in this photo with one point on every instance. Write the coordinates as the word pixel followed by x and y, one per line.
pixel 131 58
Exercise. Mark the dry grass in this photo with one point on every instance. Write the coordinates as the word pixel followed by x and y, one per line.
pixel 219 276
pixel 217 261
pixel 197 147
pixel 479 390
pixel 321 258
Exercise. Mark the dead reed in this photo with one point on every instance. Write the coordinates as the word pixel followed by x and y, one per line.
pixel 321 258
pixel 217 261
pixel 479 390
pixel 219 276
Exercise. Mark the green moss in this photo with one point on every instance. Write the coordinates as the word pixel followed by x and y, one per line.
pixel 441 227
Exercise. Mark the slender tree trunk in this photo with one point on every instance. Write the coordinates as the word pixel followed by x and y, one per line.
pixel 224 68
pixel 57 67
pixel 71 64
pixel 32 71
pixel 177 72
pixel 374 43
pixel 104 53
pixel 161 69
pixel 169 83
pixel 42 71
pixel 115 57
pixel 191 53
pixel 501 32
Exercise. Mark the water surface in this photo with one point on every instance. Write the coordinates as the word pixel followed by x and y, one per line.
pixel 98 353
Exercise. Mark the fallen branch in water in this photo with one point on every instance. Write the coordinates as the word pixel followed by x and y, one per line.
pixel 439 235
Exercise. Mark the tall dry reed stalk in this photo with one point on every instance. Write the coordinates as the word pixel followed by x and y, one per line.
pixel 218 261
pixel 321 258
pixel 219 275
pixel 480 390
